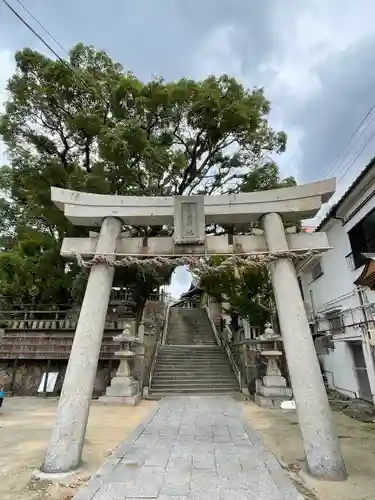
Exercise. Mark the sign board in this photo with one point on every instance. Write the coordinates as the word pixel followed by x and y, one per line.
pixel 189 220
pixel 51 382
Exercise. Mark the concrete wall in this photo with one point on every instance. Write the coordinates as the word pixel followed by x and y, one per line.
pixel 340 370
pixel 335 289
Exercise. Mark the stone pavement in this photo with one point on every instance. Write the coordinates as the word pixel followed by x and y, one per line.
pixel 192 448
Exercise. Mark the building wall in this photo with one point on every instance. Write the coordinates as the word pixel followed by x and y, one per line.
pixel 335 289
pixel 340 371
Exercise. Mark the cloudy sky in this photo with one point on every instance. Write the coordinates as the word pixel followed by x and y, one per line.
pixel 315 59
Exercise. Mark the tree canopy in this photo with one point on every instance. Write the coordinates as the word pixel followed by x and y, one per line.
pixel 88 125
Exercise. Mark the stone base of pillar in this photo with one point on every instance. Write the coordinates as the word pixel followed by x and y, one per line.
pixel 123 389
pixel 121 400
pixel 55 477
pixel 269 402
pixel 271 391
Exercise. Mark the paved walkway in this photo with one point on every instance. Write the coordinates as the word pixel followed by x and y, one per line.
pixel 192 448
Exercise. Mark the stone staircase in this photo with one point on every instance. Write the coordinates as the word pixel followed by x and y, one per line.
pixel 191 362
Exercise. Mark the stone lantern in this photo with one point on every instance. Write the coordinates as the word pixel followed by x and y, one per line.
pixel 124 389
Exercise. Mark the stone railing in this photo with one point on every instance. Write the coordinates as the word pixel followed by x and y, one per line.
pixel 57 325
pixel 54 320
pixel 247 355
pixel 149 333
pixel 223 339
pixel 127 296
pixel 121 295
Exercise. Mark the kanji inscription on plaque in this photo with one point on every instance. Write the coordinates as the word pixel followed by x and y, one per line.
pixel 189 223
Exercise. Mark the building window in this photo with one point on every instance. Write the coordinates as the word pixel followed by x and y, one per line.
pixel 362 238
pixel 335 322
pixel 316 270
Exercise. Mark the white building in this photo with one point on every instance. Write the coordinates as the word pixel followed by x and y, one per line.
pixel 338 291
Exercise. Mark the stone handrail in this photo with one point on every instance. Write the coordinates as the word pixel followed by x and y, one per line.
pixel 221 340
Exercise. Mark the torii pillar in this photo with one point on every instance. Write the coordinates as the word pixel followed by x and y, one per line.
pixel 65 446
pixel 323 454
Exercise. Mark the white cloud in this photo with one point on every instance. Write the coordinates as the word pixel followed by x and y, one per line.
pixel 303 38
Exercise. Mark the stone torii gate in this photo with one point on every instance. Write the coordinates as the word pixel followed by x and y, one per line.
pixel 190 215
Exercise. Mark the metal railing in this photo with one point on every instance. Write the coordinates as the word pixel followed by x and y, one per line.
pixel 161 341
pixel 228 334
pixel 165 325
pixel 223 338
pixel 214 329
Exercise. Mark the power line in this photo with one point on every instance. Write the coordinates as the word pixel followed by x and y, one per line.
pixel 364 145
pixel 34 32
pixel 46 44
pixel 349 140
pixel 43 27
pixel 347 159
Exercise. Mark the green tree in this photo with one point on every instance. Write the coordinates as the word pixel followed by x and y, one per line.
pixel 85 124
pixel 249 292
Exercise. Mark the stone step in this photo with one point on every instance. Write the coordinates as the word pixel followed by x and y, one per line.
pixel 185 345
pixel 229 381
pixel 191 353
pixel 198 348
pixel 157 396
pixel 191 361
pixel 191 357
pixel 193 376
pixel 221 385
pixel 199 370
pixel 192 373
pixel 192 390
pixel 201 361
pixel 183 342
pixel 191 367
pixel 198 351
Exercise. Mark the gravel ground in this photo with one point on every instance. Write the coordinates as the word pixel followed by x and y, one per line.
pixel 25 426
pixel 280 432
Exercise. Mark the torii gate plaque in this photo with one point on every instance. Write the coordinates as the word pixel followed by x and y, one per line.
pixel 190 215
pixel 189 223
